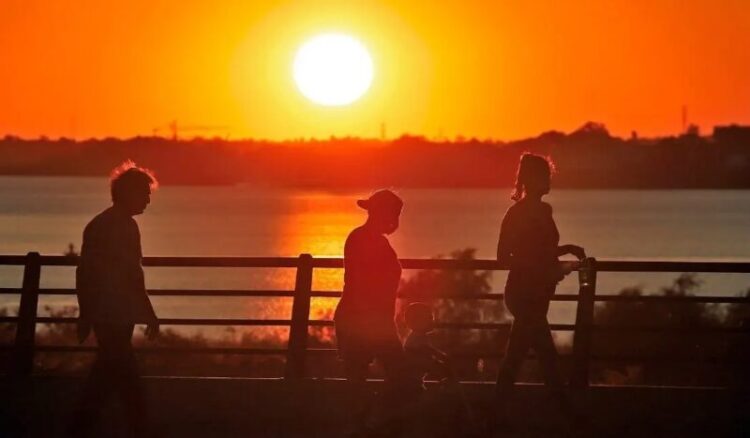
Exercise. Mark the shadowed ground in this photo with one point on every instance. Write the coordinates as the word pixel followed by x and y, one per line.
pixel 221 407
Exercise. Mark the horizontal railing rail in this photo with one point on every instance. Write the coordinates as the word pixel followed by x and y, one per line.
pixel 296 351
pixel 408 263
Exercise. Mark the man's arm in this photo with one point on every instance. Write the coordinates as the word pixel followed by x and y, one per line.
pixel 152 327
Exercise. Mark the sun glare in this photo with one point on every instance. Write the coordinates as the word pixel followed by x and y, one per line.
pixel 333 69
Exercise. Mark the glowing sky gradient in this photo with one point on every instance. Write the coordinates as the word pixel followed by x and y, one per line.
pixel 504 69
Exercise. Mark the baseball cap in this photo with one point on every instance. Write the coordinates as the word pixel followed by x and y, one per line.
pixel 380 200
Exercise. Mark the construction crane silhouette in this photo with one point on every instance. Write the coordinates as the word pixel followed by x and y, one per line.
pixel 175 130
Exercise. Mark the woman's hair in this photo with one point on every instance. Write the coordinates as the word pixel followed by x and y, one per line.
pixel 128 177
pixel 531 167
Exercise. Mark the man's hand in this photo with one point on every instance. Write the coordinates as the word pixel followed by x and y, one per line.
pixel 152 330
pixel 83 330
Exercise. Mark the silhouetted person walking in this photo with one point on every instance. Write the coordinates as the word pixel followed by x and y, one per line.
pixel 365 326
pixel 112 298
pixel 529 243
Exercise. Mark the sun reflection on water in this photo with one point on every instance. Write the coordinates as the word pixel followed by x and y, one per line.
pixel 319 226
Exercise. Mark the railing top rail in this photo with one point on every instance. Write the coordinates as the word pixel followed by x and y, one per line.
pixel 408 263
pixel 673 266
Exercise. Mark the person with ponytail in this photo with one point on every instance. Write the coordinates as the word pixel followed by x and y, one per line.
pixel 529 245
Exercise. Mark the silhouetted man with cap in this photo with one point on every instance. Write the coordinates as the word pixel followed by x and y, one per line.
pixel 365 327
pixel 112 299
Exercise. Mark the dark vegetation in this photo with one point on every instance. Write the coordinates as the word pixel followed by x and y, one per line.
pixel 672 351
pixel 183 364
pixel 683 343
pixel 587 158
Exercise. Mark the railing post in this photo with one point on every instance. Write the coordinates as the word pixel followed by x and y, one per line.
pixel 298 332
pixel 582 337
pixel 23 360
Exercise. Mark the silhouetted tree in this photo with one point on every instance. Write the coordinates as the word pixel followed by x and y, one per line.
pixel 671 350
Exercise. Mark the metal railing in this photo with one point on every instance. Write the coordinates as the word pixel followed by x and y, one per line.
pixel 297 351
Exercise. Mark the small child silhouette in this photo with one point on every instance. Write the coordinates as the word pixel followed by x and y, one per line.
pixel 424 359
pixel 449 402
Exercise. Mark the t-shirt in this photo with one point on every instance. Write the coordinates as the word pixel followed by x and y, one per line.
pixel 372 274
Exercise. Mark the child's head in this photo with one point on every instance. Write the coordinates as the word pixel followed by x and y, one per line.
pixel 419 317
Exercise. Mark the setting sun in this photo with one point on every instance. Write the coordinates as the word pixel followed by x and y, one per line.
pixel 333 69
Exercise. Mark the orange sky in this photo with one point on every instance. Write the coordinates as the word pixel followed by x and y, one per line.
pixel 503 69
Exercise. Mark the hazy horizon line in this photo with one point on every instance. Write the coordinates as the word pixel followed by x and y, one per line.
pixel 458 138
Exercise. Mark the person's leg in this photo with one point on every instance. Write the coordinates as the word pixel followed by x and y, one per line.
pixel 359 397
pixel 128 382
pixel 98 385
pixel 355 370
pixel 544 346
pixel 402 386
pixel 519 342
pixel 356 361
pixel 400 379
pixel 352 351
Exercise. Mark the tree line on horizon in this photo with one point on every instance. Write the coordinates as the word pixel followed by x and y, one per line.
pixel 589 157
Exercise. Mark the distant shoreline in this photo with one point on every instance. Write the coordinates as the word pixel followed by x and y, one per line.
pixel 588 158
pixel 358 189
